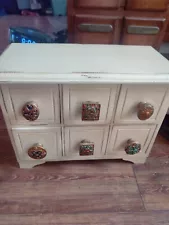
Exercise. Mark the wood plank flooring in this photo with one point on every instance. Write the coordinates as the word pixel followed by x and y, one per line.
pixel 88 192
pixel 149 218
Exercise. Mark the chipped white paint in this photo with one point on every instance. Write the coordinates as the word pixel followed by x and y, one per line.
pixel 57 78
pixel 68 63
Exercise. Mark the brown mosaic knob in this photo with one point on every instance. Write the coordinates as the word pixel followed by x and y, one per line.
pixel 90 111
pixel 86 148
pixel 145 110
pixel 30 111
pixel 132 147
pixel 37 152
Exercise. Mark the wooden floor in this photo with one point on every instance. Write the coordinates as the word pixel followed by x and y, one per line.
pixel 95 192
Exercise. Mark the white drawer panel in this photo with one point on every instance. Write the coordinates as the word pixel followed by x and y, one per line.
pixel 75 95
pixel 45 96
pixel 121 134
pixel 75 135
pixel 49 138
pixel 132 95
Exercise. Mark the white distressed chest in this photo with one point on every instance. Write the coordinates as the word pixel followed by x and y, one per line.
pixel 82 102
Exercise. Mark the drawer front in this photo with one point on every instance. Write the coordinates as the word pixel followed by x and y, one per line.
pixel 38 144
pixel 149 5
pixel 95 30
pixel 22 100
pixel 76 96
pixel 129 140
pixel 140 104
pixel 94 138
pixel 107 4
pixel 142 31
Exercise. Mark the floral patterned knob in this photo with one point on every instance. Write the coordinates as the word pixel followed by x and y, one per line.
pixel 30 111
pixel 86 148
pixel 145 110
pixel 132 147
pixel 90 111
pixel 37 152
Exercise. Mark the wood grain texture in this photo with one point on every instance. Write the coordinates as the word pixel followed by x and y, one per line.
pixel 149 5
pixel 80 187
pixel 150 218
pixel 153 177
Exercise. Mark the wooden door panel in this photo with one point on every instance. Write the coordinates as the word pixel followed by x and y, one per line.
pixel 96 30
pixel 144 31
pixel 150 5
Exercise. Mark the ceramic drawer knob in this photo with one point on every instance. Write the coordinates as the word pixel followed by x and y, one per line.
pixel 90 111
pixel 145 110
pixel 37 152
pixel 132 147
pixel 86 148
pixel 30 111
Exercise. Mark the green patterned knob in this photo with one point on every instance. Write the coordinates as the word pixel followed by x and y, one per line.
pixel 132 147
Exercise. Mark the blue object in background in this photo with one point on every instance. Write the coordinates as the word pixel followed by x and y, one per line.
pixel 2 12
pixel 23 4
pixel 28 35
pixel 59 7
pixel 10 6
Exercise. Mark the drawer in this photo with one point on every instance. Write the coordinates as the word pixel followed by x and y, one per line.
pixel 78 140
pixel 38 143
pixel 96 4
pixel 130 140
pixel 140 104
pixel 76 96
pixel 150 5
pixel 97 30
pixel 142 31
pixel 39 104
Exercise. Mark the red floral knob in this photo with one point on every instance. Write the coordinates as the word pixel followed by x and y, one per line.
pixel 37 152
pixel 86 148
pixel 30 111
pixel 90 111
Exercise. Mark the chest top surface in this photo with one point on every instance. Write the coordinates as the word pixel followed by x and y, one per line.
pixel 78 63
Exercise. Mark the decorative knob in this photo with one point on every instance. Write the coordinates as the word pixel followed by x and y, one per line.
pixel 86 148
pixel 90 111
pixel 37 152
pixel 30 111
pixel 145 110
pixel 132 147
